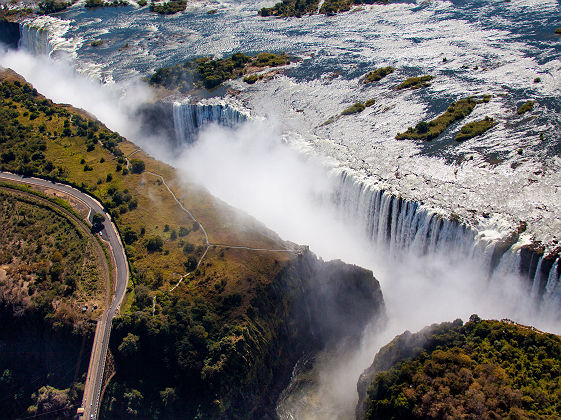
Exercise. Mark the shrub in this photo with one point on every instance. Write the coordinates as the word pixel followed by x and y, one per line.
pixel 137 166
pixel 527 106
pixel 97 222
pixel 94 3
pixel 155 243
pixel 50 6
pixel 415 82
pixel 191 263
pixel 378 74
pixel 169 8
pixel 475 128
pixel 354 109
pixel 130 236
pixel 251 79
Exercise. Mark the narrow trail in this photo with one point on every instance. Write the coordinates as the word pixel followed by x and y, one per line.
pixel 208 244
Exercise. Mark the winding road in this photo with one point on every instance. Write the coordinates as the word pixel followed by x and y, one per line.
pixel 94 379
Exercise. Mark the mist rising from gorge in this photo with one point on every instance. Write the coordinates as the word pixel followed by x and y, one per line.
pixel 252 168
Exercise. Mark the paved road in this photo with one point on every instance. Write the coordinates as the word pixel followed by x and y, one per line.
pixel 94 378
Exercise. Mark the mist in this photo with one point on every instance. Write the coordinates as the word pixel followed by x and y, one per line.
pixel 256 169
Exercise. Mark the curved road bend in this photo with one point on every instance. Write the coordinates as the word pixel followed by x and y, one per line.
pixel 94 378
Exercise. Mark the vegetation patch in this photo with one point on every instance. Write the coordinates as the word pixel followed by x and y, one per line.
pixel 169 7
pixel 47 258
pixel 480 369
pixel 378 74
pixel 432 129
pixel 475 128
pixel 210 73
pixel 293 8
pixel 251 79
pixel 354 109
pixel 14 15
pixel 102 3
pixel 297 8
pixel 415 82
pixel 51 6
pixel 527 106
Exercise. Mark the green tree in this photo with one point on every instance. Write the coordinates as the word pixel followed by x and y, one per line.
pixel 137 166
pixel 168 396
pixel 155 243
pixel 129 346
pixel 130 236
pixel 97 222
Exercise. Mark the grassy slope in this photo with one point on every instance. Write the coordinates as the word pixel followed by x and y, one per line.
pixel 226 284
pixel 482 369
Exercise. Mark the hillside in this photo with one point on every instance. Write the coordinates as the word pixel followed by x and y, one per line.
pixel 52 284
pixel 219 308
pixel 480 369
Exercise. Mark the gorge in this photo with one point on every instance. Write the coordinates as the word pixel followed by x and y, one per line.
pixel 448 230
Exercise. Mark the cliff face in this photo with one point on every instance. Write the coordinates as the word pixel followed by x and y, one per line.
pixel 9 33
pixel 237 371
pixel 42 366
pixel 480 369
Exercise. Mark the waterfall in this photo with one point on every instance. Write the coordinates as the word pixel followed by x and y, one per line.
pixel 44 35
pixel 537 281
pixel 551 299
pixel 394 224
pixel 398 224
pixel 189 118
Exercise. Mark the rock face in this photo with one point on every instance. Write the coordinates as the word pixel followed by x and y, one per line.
pixel 339 298
pixel 480 369
pixel 9 34
pixel 313 303
pixel 238 371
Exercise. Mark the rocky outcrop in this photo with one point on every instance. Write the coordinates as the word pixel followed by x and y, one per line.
pixel 238 368
pixel 312 304
pixel 9 34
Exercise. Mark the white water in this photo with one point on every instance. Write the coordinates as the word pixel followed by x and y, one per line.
pixel 45 35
